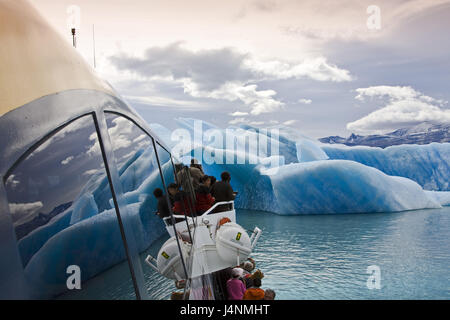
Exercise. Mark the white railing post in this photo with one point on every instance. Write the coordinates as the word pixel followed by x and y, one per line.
pixel 149 260
pixel 255 236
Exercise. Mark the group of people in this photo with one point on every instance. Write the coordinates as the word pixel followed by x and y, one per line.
pixel 239 283
pixel 245 285
pixel 207 191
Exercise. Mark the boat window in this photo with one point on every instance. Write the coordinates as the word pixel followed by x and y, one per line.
pixel 167 166
pixel 139 176
pixel 65 222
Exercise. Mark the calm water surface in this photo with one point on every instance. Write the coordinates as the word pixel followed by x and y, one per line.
pixel 326 257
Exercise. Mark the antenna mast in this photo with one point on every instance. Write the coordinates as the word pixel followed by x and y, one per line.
pixel 93 42
pixel 74 39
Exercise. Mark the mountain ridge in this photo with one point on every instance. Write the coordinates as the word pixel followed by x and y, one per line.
pixel 423 133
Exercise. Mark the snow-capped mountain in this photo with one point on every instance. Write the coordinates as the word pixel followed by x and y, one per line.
pixel 422 133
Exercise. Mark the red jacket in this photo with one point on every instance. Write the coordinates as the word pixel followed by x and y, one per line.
pixel 178 207
pixel 204 201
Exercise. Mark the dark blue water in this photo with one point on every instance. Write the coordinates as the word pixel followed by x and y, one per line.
pixel 326 257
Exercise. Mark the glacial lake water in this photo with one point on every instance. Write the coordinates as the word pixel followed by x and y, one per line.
pixel 327 257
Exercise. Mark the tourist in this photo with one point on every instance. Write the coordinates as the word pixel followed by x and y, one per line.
pixel 248 268
pixel 222 191
pixel 255 292
pixel 180 201
pixel 194 163
pixel 269 294
pixel 235 286
pixel 196 173
pixel 204 199
pixel 163 207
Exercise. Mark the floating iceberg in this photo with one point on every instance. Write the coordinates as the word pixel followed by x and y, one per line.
pixel 342 186
pixel 428 165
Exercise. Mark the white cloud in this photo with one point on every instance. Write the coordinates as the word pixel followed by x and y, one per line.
pixel 289 122
pixel 22 212
pixel 12 182
pixel 256 123
pixel 95 148
pixel 226 73
pixel 237 121
pixel 394 93
pixel 404 107
pixel 318 69
pixel 258 101
pixel 120 134
pixel 239 114
pixel 165 102
pixel 90 172
pixel 127 156
pixel 67 160
pixel 140 138
pixel 305 101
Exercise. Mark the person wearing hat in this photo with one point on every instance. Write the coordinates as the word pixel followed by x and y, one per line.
pixel 248 268
pixel 196 172
pixel 195 164
pixel 235 286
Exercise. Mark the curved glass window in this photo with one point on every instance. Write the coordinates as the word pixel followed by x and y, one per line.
pixel 139 177
pixel 64 218
pixel 167 166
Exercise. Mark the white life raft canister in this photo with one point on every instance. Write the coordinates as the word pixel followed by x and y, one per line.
pixel 168 261
pixel 232 243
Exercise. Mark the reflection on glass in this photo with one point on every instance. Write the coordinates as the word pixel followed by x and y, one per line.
pixel 139 176
pixel 166 165
pixel 61 206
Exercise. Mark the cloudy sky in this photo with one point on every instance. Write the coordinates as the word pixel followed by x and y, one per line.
pixel 323 67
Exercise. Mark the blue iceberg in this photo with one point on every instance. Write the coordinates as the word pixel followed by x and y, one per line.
pixel 428 164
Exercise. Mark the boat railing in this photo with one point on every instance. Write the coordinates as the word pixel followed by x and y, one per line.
pixel 209 211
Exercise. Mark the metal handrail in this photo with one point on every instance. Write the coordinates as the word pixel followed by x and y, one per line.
pixel 182 216
pixel 218 204
pixel 204 214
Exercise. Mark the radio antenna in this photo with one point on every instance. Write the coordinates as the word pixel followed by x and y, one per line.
pixel 74 39
pixel 93 43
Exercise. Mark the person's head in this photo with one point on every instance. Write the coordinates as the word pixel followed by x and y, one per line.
pixel 236 273
pixel 269 294
pixel 225 176
pixel 248 266
pixel 194 162
pixel 178 167
pixel 213 179
pixel 158 193
pixel 257 275
pixel 206 180
pixel 257 282
pixel 173 189
pixel 176 295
